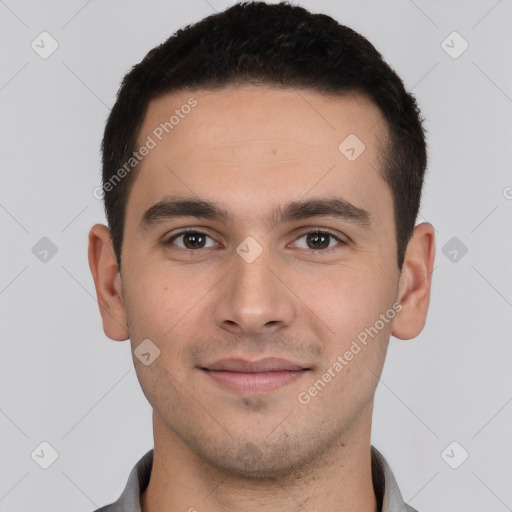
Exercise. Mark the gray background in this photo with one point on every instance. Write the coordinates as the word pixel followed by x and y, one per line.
pixel 64 382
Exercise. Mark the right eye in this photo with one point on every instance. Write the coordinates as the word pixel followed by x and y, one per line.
pixel 191 240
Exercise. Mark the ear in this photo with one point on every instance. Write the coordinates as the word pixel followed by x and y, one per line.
pixel 107 281
pixel 415 283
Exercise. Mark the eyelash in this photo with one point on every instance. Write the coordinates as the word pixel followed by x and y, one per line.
pixel 311 232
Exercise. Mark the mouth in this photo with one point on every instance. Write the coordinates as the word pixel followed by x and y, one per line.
pixel 254 377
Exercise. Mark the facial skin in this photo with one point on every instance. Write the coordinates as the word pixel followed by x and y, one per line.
pixel 250 150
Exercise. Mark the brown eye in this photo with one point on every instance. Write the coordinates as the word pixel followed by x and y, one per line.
pixel 194 240
pixel 319 240
pixel 190 240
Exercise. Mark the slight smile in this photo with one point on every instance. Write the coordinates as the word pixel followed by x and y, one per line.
pixel 254 377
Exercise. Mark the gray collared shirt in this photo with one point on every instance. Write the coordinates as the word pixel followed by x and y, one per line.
pixel 388 494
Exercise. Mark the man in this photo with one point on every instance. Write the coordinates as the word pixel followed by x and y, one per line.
pixel 262 174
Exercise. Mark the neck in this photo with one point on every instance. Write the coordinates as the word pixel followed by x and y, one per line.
pixel 340 479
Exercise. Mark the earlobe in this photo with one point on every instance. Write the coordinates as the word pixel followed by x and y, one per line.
pixel 415 283
pixel 107 282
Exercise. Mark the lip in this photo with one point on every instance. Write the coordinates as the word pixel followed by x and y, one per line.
pixel 269 364
pixel 254 377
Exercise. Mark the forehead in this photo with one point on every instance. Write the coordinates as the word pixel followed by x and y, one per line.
pixel 263 143
pixel 256 114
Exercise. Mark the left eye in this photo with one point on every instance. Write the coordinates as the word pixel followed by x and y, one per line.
pixel 319 240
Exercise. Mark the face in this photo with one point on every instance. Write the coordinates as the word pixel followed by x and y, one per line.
pixel 253 236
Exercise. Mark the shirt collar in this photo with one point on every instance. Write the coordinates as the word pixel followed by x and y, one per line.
pixel 388 494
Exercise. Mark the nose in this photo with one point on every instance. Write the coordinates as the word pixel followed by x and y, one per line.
pixel 253 298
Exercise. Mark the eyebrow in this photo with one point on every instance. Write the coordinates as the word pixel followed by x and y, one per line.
pixel 172 207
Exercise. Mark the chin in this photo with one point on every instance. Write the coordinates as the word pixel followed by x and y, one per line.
pixel 257 460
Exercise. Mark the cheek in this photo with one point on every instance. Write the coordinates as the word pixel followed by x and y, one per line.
pixel 158 310
pixel 164 303
pixel 345 299
pixel 354 337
